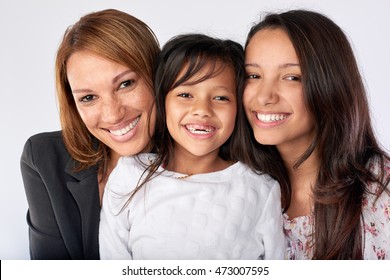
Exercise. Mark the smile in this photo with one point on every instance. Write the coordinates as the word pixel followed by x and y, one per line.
pixel 269 118
pixel 125 130
pixel 200 129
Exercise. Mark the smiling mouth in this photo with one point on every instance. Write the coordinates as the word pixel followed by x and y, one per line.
pixel 200 129
pixel 269 118
pixel 125 130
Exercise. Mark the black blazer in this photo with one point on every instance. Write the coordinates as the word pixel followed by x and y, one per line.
pixel 64 206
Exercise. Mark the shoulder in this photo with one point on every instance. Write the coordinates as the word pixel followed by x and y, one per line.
pixel 242 171
pixel 260 185
pixel 46 136
pixel 45 142
pixel 377 195
pixel 45 146
pixel 382 170
pixel 129 171
pixel 133 163
pixel 143 159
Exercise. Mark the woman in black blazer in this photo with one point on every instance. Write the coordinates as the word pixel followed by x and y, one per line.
pixel 104 70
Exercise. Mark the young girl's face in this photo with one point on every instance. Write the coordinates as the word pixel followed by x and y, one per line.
pixel 200 117
pixel 273 96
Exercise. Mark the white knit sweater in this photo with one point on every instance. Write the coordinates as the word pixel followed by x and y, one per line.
pixel 229 214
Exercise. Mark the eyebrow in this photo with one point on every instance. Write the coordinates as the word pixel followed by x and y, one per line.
pixel 225 89
pixel 285 65
pixel 114 80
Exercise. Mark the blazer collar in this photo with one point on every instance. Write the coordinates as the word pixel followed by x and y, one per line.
pixel 80 175
pixel 85 191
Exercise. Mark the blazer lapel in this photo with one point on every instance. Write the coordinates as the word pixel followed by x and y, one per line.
pixel 85 191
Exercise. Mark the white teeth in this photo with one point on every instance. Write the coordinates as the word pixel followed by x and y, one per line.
pixel 126 129
pixel 195 131
pixel 271 117
pixel 200 129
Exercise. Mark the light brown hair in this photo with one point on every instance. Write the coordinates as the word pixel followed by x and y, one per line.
pixel 113 35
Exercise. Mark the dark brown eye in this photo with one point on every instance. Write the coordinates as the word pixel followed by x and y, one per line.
pixel 87 98
pixel 126 84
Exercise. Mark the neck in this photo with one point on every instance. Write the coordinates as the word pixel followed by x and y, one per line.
pixel 302 180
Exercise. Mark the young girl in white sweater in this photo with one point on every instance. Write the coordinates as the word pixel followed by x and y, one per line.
pixel 193 199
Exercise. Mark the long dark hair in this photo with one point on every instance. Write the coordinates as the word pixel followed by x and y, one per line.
pixel 344 140
pixel 194 52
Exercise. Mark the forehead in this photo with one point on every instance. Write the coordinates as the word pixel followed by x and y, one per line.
pixel 82 66
pixel 201 71
pixel 270 44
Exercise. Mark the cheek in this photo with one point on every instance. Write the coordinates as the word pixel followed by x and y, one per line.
pixel 246 105
pixel 171 117
pixel 246 97
pixel 152 120
pixel 299 107
pixel 88 116
pixel 229 118
pixel 143 98
pixel 147 102
pixel 306 120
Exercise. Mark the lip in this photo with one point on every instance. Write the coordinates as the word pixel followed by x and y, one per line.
pixel 270 119
pixel 200 130
pixel 124 131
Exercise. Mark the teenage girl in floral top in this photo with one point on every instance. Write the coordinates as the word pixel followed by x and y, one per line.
pixel 307 106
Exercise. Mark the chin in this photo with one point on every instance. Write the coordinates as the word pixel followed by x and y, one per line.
pixel 265 141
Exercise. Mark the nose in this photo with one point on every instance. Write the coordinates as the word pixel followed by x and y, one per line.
pixel 201 107
pixel 112 110
pixel 265 92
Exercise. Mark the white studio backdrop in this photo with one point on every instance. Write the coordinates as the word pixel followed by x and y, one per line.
pixel 32 29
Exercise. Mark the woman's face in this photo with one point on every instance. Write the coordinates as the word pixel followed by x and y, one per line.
pixel 113 101
pixel 273 96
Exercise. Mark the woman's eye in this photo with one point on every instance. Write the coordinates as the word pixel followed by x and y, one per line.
pixel 252 76
pixel 126 84
pixel 293 78
pixel 184 94
pixel 87 98
pixel 221 98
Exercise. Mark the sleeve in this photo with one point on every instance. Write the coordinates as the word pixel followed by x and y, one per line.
pixel 376 223
pixel 271 226
pixel 114 228
pixel 44 235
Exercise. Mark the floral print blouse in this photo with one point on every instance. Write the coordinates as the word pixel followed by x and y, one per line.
pixel 375 227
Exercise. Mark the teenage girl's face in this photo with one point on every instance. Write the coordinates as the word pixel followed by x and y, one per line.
pixel 201 117
pixel 113 101
pixel 273 96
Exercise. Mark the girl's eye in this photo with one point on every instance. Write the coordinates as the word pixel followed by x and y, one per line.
pixel 293 78
pixel 252 76
pixel 126 84
pixel 184 94
pixel 87 98
pixel 221 98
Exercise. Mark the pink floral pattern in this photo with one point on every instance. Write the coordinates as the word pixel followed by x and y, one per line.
pixel 375 227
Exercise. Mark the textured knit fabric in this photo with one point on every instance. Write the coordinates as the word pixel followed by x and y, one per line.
pixel 375 227
pixel 229 214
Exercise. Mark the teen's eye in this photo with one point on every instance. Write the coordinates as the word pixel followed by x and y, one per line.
pixel 221 98
pixel 252 76
pixel 294 78
pixel 87 98
pixel 126 84
pixel 184 94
